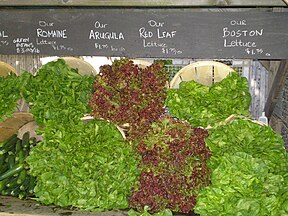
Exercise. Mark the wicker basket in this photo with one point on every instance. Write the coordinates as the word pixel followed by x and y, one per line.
pixel 141 63
pixel 12 125
pixel 84 68
pixel 203 72
pixel 5 69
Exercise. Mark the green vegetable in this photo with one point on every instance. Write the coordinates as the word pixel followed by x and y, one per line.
pixel 14 170
pixel 57 92
pixel 166 212
pixel 242 185
pixel 14 179
pixel 9 95
pixel 249 171
pixel 11 160
pixel 242 135
pixel 86 165
pixel 201 105
pixel 8 144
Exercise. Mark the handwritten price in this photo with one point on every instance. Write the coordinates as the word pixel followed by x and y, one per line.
pixel 61 47
pixel 256 51
pixel 28 50
pixel 173 51
pixel 101 46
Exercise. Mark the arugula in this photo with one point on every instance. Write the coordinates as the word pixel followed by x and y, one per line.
pixel 85 165
pixel 201 105
pixel 9 95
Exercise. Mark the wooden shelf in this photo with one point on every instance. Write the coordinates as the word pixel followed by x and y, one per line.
pixel 11 206
pixel 147 3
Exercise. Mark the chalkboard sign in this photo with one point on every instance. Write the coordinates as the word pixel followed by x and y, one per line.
pixel 173 33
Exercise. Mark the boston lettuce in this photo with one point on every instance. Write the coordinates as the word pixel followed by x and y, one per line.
pixel 242 135
pixel 243 185
pixel 203 106
pixel 249 171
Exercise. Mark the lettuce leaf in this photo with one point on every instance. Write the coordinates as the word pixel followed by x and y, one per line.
pixel 57 92
pixel 85 165
pixel 249 171
pixel 9 95
pixel 242 135
pixel 201 105
pixel 242 185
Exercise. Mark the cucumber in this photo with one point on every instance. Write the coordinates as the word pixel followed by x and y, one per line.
pixel 9 145
pixel 8 142
pixel 32 141
pixel 18 146
pixel 12 183
pixel 11 172
pixel 15 192
pixel 24 186
pixel 3 184
pixel 22 176
pixel 5 192
pixel 11 160
pixel 21 157
pixel 25 140
pixel 32 185
pixel 2 159
pixel 3 168
pixel 3 163
pixel 20 154
pixel 22 195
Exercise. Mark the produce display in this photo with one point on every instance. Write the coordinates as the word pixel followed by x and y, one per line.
pixel 9 95
pixel 173 167
pixel 78 164
pixel 249 171
pixel 204 106
pixel 168 162
pixel 14 177
pixel 128 95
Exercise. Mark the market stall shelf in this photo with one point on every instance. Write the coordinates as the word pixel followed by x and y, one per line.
pixel 16 207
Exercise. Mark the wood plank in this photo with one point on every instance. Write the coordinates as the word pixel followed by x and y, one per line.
pixel 146 3
pixel 277 86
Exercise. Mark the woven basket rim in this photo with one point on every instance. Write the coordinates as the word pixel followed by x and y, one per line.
pixel 7 68
pixel 226 70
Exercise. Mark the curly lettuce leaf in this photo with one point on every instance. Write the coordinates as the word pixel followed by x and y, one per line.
pixel 85 165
